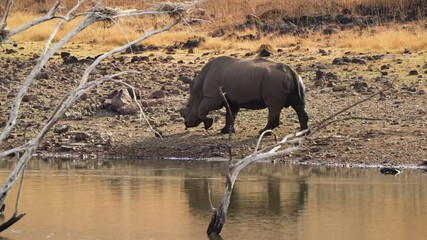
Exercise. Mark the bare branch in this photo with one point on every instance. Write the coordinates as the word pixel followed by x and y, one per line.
pixel 58 26
pixel 219 217
pixel 95 15
pixel 49 16
pixel 3 21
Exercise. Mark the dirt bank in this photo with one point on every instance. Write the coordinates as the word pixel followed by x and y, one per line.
pixel 389 129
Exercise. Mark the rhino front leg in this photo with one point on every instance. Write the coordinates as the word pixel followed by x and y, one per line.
pixel 207 105
pixel 273 119
pixel 229 122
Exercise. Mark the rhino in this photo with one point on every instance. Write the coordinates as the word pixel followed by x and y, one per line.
pixel 247 83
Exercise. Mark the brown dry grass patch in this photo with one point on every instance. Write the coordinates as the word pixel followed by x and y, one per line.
pixel 393 37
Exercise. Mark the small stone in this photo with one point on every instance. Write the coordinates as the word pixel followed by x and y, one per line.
pixel 158 94
pixel 29 98
pixel 329 31
pixel 323 52
pixel 358 61
pixel 170 50
pixel 42 75
pixel 135 59
pixel 65 54
pixel 70 60
pixel 81 136
pixel 339 88
pixel 413 72
pixel 61 129
pixel 387 66
pixel 84 96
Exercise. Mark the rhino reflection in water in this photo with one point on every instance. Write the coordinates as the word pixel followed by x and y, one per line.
pixel 251 84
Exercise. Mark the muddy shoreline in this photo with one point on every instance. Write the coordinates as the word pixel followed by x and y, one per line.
pixel 389 130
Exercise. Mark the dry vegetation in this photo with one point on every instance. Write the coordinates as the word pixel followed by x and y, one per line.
pixel 392 37
pixel 226 11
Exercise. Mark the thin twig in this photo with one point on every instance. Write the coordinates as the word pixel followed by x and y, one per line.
pixel 210 197
pixel 19 191
pixel 230 131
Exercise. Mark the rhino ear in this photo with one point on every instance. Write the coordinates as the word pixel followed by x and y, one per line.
pixel 185 79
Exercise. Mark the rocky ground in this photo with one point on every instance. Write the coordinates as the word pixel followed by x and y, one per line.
pixel 390 129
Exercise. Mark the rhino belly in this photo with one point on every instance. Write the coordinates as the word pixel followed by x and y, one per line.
pixel 252 104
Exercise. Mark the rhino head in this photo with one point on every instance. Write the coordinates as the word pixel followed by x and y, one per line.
pixel 190 112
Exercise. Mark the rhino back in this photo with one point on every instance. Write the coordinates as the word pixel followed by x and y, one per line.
pixel 247 83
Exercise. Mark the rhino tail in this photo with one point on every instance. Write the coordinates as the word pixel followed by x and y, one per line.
pixel 299 85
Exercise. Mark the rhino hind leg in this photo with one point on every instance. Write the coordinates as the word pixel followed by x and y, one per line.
pixel 302 116
pixel 229 121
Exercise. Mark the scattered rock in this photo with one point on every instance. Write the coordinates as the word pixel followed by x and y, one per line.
pixel 61 129
pixel 42 75
pixel 341 61
pixel 339 88
pixel 323 52
pixel 81 136
pixel 358 61
pixel 84 96
pixel 29 98
pixel 70 60
pixel 384 67
pixel 265 50
pixel 319 81
pixel 390 171
pixel 65 55
pixel 158 94
pixel 193 43
pixel 218 33
pixel 413 72
pixel 406 51
pixel 9 51
pixel 329 31
pixel 360 86
pixel 121 102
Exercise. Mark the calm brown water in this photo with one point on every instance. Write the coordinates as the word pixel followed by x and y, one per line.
pixel 169 200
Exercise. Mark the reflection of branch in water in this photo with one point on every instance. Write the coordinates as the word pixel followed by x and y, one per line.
pixel 233 168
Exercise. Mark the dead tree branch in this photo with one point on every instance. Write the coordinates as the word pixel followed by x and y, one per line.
pixel 5 34
pixel 97 14
pixel 3 21
pixel 293 142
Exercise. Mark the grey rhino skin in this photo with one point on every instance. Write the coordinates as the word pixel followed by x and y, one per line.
pixel 250 83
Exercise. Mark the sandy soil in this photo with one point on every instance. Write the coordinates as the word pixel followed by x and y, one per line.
pixel 390 129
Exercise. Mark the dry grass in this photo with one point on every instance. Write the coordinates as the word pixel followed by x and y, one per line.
pixel 390 38
pixel 229 11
